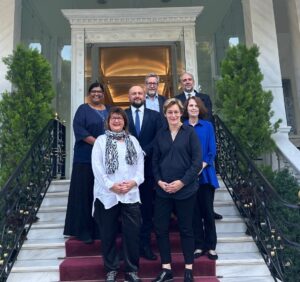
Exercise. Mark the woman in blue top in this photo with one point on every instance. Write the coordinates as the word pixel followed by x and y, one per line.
pixel 88 124
pixel 204 222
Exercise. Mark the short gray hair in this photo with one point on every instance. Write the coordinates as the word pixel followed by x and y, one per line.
pixel 151 74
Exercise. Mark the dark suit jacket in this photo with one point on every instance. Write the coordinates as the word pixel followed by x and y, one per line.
pixel 205 99
pixel 152 122
pixel 161 101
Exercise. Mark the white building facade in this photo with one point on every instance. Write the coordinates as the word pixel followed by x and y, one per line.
pixel 118 43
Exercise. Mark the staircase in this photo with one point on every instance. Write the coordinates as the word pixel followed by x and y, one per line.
pixel 44 251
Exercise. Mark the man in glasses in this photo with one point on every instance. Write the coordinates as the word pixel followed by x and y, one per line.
pixel 154 101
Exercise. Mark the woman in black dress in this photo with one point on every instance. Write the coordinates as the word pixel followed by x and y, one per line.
pixel 88 124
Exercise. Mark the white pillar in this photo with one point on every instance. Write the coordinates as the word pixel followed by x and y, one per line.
pixel 293 8
pixel 190 52
pixel 77 85
pixel 260 29
pixel 10 35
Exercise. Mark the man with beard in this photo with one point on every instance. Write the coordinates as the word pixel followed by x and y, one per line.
pixel 144 124
pixel 187 82
pixel 154 101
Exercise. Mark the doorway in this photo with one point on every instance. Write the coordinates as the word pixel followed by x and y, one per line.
pixel 120 67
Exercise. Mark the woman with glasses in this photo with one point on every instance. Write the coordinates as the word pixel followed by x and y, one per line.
pixel 118 166
pixel 176 161
pixel 88 124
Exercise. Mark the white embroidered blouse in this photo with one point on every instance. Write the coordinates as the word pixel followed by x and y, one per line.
pixel 103 181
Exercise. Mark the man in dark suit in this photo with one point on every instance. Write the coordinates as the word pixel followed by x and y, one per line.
pixel 187 82
pixel 144 124
pixel 154 101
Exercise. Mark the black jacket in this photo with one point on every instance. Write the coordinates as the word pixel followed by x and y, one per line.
pixel 180 159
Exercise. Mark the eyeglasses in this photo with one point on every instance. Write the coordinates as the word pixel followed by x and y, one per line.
pixel 96 91
pixel 152 83
pixel 116 118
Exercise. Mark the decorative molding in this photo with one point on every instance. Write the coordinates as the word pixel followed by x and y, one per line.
pixel 133 16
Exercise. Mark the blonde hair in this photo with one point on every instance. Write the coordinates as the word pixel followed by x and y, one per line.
pixel 171 102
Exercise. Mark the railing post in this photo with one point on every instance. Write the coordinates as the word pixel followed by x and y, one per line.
pixel 55 147
pixel 63 151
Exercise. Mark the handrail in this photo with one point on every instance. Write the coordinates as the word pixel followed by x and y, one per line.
pixel 23 193
pixel 277 237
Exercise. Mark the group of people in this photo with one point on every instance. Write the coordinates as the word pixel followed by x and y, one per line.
pixel 137 168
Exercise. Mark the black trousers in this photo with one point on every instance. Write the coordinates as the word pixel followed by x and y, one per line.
pixel 204 220
pixel 131 222
pixel 162 213
pixel 147 194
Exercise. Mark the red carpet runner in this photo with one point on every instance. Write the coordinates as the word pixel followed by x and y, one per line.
pixel 84 263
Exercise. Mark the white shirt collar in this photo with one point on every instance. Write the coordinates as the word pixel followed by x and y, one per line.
pixel 141 109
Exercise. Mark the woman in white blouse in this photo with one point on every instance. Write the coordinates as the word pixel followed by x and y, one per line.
pixel 118 166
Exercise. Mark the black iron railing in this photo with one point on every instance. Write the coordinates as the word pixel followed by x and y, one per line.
pixel 23 193
pixel 273 223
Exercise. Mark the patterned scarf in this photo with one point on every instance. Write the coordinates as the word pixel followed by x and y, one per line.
pixel 111 152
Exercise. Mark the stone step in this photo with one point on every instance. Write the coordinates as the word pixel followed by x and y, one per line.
pixel 60 198
pixel 55 212
pixel 228 266
pixel 59 186
pixel 247 279
pixel 50 230
pixel 55 248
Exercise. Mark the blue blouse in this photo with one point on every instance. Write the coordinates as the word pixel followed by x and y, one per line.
pixel 205 132
pixel 87 122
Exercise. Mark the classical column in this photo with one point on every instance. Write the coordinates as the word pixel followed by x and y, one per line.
pixel 77 85
pixel 260 29
pixel 190 51
pixel 293 11
pixel 10 34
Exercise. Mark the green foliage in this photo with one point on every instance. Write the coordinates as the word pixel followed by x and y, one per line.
pixel 287 219
pixel 25 111
pixel 242 103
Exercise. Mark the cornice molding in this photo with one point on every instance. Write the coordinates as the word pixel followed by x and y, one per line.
pixel 173 15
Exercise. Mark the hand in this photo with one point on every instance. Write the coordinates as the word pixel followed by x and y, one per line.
pixel 128 185
pixel 163 185
pixel 117 188
pixel 204 165
pixel 174 186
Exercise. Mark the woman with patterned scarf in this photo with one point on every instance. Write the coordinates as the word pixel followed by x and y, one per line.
pixel 118 166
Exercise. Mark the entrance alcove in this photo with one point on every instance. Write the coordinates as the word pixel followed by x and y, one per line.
pixel 173 27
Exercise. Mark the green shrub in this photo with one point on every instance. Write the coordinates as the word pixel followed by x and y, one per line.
pixel 242 103
pixel 25 111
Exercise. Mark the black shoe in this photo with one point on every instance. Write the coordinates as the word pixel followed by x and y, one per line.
pixel 211 254
pixel 218 216
pixel 147 253
pixel 89 241
pixel 132 277
pixel 198 253
pixel 188 275
pixel 111 276
pixel 164 276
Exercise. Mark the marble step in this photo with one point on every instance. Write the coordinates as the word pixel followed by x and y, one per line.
pixel 52 230
pixel 55 248
pixel 59 185
pixel 60 198
pixel 55 212
pixel 247 279
pixel 228 266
